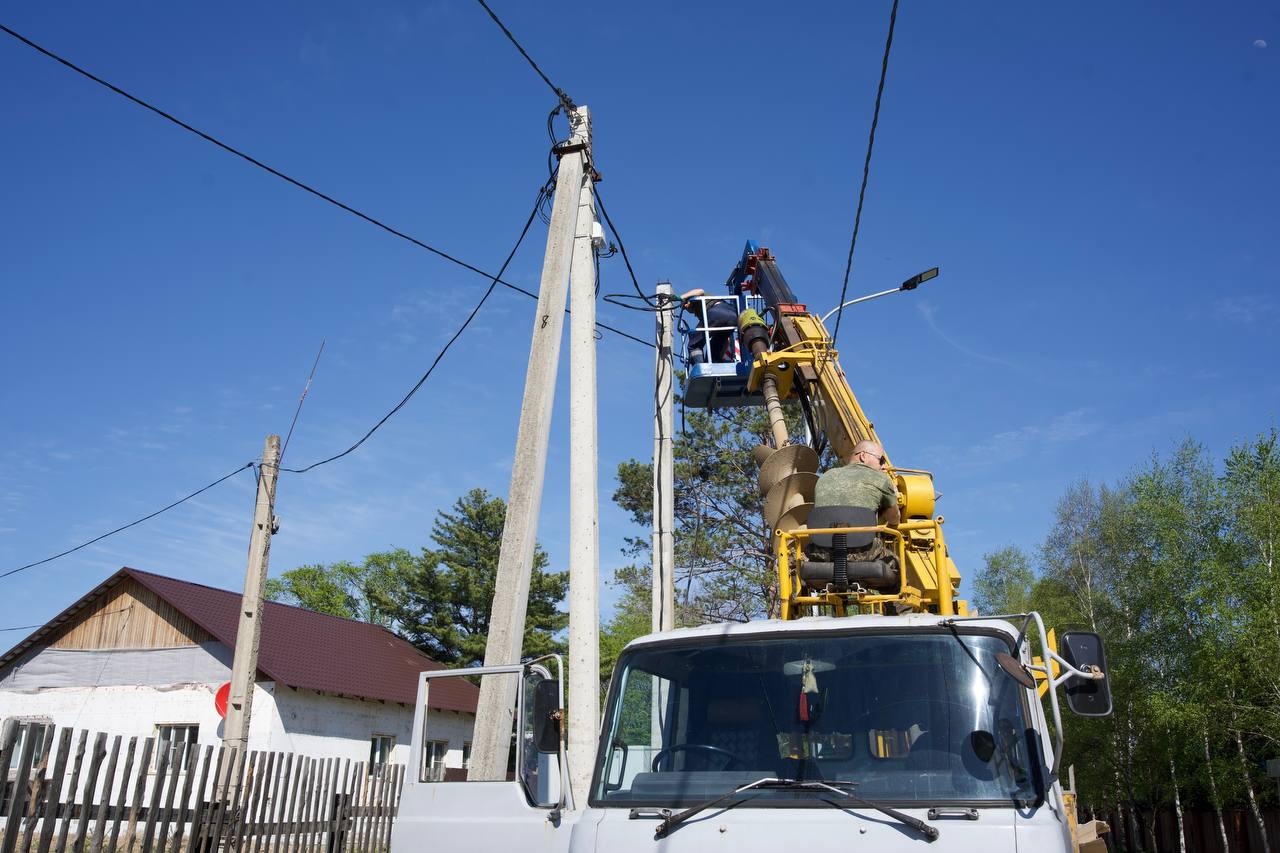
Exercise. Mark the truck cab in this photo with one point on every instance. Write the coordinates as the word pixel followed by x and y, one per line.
pixel 890 732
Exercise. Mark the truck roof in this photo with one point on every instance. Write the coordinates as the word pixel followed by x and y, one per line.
pixel 725 630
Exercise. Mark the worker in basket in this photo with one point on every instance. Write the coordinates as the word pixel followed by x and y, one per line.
pixel 858 494
pixel 721 317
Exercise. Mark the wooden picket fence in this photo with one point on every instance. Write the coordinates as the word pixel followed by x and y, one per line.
pixel 128 795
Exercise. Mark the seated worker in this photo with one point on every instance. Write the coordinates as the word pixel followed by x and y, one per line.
pixel 862 482
pixel 723 312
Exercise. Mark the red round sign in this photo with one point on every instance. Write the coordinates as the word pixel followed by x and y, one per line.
pixel 220 699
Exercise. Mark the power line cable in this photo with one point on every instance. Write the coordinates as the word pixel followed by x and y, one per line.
pixel 302 399
pixel 560 93
pixel 148 517
pixel 493 284
pixel 537 205
pixel 866 166
pixel 622 247
pixel 282 176
pixel 545 189
pixel 21 628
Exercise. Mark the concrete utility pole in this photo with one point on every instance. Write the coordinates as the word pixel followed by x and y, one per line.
pixel 492 738
pixel 663 606
pixel 244 666
pixel 664 511
pixel 584 505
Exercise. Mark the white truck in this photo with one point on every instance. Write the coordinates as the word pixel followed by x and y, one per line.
pixel 870 732
pixel 877 714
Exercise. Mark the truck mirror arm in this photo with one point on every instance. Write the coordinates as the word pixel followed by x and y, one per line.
pixel 1051 656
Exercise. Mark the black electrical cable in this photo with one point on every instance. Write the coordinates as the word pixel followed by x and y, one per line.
pixel 553 172
pixel 622 334
pixel 494 282
pixel 552 162
pixel 21 628
pixel 199 491
pixel 622 247
pixel 560 93
pixel 595 263
pixel 623 300
pixel 282 176
pixel 866 167
pixel 537 205
pixel 302 399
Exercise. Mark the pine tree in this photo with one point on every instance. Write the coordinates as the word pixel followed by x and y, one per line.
pixel 442 603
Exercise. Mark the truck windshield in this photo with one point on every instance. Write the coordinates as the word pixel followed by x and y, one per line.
pixel 909 718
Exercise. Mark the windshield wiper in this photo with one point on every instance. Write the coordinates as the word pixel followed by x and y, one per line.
pixel 672 821
pixel 930 833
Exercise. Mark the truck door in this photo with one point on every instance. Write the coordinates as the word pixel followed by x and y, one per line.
pixel 440 810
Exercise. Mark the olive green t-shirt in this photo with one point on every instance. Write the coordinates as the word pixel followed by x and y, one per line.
pixel 855 485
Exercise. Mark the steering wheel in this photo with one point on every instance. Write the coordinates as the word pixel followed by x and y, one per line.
pixel 732 762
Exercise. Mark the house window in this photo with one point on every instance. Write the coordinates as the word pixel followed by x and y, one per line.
pixel 172 740
pixel 35 729
pixel 433 752
pixel 380 747
pixel 466 755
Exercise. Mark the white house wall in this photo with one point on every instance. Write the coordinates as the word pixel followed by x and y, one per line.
pixel 132 710
pixel 141 689
pixel 308 722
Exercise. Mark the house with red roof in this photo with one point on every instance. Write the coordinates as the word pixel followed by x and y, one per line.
pixel 144 654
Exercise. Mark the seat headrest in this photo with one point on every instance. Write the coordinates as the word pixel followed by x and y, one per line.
pixel 842 516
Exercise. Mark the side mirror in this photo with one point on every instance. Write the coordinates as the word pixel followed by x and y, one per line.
pixel 546 716
pixel 1015 670
pixel 1088 697
pixel 540 768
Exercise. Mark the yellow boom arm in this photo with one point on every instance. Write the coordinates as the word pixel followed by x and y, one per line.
pixel 803 361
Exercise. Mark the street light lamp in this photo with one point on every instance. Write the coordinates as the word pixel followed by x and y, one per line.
pixel 910 284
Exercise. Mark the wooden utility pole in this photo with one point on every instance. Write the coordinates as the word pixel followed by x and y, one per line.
pixel 492 738
pixel 244 667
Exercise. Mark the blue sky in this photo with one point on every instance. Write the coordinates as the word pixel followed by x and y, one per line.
pixel 1097 182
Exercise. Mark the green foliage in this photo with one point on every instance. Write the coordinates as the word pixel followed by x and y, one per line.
pixel 631 617
pixel 319 587
pixel 1003 584
pixel 724 563
pixel 442 600
pixel 341 589
pixel 1175 566
pixel 439 599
